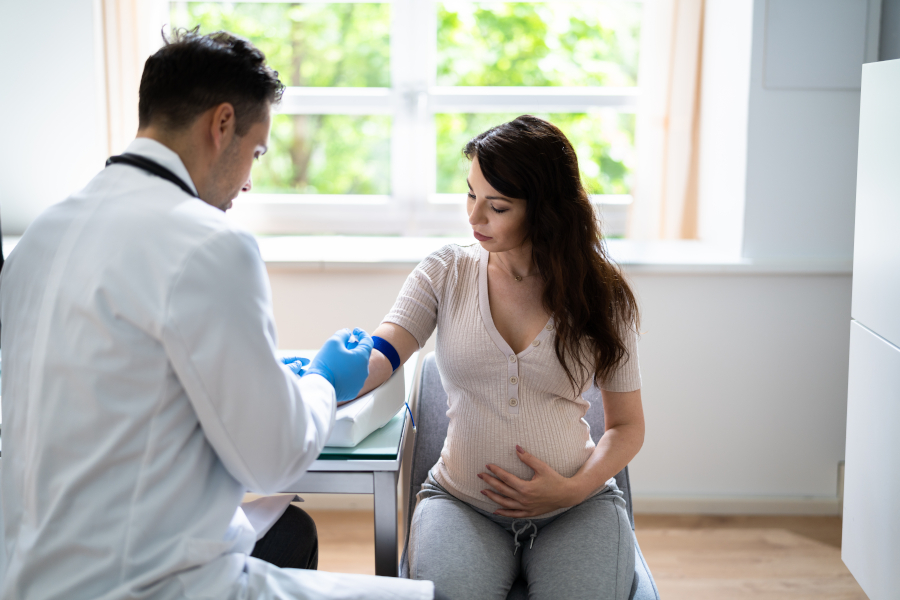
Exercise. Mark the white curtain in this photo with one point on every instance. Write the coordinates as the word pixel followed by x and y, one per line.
pixel 130 32
pixel 665 193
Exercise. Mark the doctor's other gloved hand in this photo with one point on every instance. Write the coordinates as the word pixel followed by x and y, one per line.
pixel 344 362
pixel 297 364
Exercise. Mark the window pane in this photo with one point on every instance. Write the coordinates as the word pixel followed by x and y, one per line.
pixel 586 43
pixel 603 141
pixel 326 154
pixel 317 45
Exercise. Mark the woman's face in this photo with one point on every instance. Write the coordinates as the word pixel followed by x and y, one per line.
pixel 497 221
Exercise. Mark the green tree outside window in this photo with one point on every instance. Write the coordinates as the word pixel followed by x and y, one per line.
pixel 559 43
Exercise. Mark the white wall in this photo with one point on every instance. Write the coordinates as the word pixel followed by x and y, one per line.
pixel 803 126
pixel 50 99
pixel 745 382
pixel 310 305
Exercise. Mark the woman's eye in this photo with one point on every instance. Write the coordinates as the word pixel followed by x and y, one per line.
pixel 499 211
pixel 471 196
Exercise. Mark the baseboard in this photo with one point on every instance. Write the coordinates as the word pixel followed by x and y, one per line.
pixel 737 505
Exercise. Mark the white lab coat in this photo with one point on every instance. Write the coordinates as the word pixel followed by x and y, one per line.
pixel 142 397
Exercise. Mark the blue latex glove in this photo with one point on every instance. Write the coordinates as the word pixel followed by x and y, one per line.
pixel 297 364
pixel 344 362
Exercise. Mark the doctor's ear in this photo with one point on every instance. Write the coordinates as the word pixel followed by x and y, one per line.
pixel 223 125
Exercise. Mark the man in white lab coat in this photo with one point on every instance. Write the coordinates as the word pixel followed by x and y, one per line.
pixel 141 391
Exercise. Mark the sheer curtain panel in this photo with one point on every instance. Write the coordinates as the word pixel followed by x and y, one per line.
pixel 666 135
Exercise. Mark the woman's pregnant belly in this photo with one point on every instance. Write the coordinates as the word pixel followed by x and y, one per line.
pixel 561 439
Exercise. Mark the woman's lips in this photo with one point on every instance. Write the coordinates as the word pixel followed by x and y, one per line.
pixel 481 238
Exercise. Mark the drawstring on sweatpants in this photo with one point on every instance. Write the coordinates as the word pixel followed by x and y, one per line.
pixel 527 525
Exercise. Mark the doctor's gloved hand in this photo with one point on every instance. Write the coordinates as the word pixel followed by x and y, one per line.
pixel 344 362
pixel 296 364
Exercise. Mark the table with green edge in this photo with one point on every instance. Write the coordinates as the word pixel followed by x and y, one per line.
pixel 370 467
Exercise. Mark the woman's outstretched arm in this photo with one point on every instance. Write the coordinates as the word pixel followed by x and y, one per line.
pixel 379 366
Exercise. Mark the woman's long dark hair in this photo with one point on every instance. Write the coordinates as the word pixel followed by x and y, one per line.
pixel 592 305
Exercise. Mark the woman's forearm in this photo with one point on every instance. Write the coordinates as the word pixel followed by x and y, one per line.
pixel 618 446
pixel 623 414
pixel 380 368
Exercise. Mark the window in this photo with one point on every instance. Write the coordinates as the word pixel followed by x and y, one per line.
pixel 383 95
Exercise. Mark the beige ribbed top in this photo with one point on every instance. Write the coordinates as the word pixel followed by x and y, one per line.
pixel 496 398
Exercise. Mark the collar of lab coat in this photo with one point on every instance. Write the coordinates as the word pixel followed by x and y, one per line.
pixel 163 155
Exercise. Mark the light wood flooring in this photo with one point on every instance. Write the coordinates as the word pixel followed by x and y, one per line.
pixel 691 557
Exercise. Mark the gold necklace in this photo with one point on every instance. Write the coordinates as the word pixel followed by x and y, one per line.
pixel 518 278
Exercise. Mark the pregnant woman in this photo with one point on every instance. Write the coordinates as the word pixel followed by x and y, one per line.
pixel 527 319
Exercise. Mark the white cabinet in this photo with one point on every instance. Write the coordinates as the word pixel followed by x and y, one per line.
pixel 876 252
pixel 871 538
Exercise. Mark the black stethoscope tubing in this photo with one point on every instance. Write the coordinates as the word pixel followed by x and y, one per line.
pixel 151 167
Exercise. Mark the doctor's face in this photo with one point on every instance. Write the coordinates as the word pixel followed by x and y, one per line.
pixel 231 174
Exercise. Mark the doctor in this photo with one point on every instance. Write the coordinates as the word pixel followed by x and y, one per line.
pixel 141 391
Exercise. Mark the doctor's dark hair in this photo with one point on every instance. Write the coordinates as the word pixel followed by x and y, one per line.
pixel 192 73
pixel 592 305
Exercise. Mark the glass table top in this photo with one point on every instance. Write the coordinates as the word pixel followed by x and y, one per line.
pixel 382 444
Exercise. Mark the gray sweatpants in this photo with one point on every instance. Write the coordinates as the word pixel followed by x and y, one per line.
pixel 586 552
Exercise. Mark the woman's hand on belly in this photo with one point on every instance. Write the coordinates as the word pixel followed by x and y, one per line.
pixel 522 499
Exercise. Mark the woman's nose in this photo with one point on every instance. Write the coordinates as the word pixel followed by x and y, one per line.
pixel 476 213
pixel 248 186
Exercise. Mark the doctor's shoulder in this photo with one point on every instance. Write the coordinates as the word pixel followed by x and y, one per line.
pixel 42 236
pixel 197 228
pixel 200 221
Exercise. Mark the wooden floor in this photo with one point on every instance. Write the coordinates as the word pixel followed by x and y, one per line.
pixel 691 557
pixel 739 558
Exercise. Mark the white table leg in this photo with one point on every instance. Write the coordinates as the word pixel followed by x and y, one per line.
pixel 385 523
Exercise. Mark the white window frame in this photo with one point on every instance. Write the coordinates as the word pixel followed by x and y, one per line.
pixel 413 207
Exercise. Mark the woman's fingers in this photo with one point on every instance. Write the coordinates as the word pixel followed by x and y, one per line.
pixel 506 477
pixel 537 465
pixel 500 486
pixel 520 498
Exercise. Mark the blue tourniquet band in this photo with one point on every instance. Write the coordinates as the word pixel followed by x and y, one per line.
pixel 384 346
